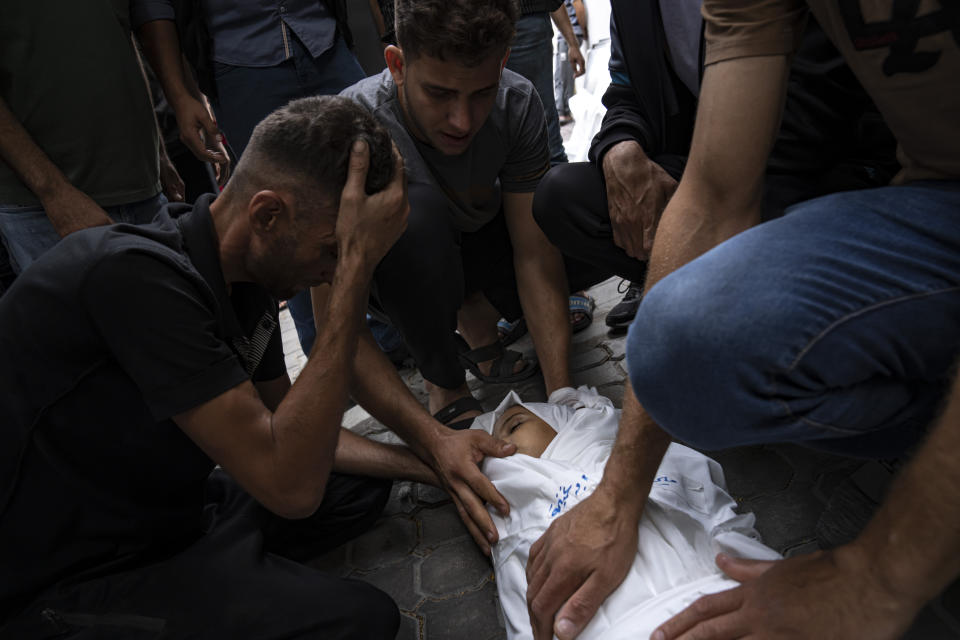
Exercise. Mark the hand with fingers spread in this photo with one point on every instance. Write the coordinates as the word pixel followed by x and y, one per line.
pixel 638 190
pixel 369 225
pixel 200 134
pixel 581 559
pixel 456 458
pixel 823 595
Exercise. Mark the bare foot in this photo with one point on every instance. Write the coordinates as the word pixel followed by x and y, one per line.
pixel 477 323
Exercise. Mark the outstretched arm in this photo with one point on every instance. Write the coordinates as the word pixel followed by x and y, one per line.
pixel 453 456
pixel 577 563
pixel 542 287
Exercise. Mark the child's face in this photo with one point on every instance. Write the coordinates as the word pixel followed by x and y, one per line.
pixel 524 429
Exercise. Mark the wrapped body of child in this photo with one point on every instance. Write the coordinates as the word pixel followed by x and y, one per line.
pixel 563 446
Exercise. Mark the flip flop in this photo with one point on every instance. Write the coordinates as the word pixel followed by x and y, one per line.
pixel 582 304
pixel 510 332
pixel 457 408
pixel 501 370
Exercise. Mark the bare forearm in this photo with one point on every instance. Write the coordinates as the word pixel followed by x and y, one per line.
pixel 362 456
pixel 384 395
pixel 28 161
pixel 543 290
pixel 562 20
pixel 161 45
pixel 308 419
pixel 914 539
pixel 635 458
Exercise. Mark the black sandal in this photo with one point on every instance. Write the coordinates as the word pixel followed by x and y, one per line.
pixel 501 370
pixel 457 408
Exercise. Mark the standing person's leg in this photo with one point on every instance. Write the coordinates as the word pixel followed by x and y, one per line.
pixel 835 326
pixel 562 78
pixel 27 232
pixel 246 95
pixel 531 55
pixel 570 206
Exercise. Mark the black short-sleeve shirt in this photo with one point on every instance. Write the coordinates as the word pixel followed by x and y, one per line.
pixel 102 341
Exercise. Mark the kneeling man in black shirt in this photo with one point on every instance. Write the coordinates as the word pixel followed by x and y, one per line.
pixel 138 358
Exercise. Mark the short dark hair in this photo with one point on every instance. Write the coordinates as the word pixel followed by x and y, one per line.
pixel 467 31
pixel 305 146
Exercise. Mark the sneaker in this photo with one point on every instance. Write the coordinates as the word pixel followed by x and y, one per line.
pixel 622 314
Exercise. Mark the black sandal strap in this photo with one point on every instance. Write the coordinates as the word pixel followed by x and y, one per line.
pixel 456 408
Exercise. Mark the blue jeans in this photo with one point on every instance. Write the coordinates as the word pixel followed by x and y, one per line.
pixel 246 95
pixel 531 55
pixel 836 326
pixel 28 233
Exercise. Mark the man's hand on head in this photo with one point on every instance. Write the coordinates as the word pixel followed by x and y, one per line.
pixel 638 190
pixel 580 560
pixel 827 594
pixel 456 458
pixel 369 225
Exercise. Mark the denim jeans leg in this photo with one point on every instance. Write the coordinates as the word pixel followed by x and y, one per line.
pixel 141 212
pixel 27 234
pixel 836 326
pixel 531 55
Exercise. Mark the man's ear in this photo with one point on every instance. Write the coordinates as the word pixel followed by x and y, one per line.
pixel 265 210
pixel 393 56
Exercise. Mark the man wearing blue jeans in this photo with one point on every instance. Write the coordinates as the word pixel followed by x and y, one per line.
pixel 78 138
pixel 531 55
pixel 836 326
pixel 261 58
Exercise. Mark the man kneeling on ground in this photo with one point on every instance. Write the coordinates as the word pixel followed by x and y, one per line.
pixel 473 139
pixel 139 358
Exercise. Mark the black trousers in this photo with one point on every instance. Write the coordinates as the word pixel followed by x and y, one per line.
pixel 571 207
pixel 421 283
pixel 235 582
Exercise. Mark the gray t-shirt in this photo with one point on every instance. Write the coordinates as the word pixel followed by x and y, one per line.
pixel 509 152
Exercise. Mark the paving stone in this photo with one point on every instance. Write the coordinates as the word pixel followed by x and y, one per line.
pixel 593 335
pixel 409 628
pixel 471 615
pixel 753 471
pixel 617 345
pixel 588 359
pixel 440 525
pixel 846 514
pixel 785 518
pixel 428 494
pixel 388 541
pixel 809 464
pixel 606 294
pixel 402 499
pixel 453 568
pixel 396 580
pixel 388 437
pixel 606 373
pixel 368 427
